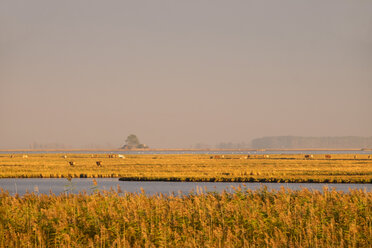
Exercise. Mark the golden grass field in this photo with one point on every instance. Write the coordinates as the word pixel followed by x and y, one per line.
pixel 340 168
pixel 245 218
pixel 242 219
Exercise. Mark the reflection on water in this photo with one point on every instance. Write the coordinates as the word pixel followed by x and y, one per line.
pixel 60 185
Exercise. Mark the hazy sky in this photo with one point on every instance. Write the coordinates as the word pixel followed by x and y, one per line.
pixel 180 72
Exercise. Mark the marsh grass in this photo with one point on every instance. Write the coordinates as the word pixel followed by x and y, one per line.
pixel 341 168
pixel 245 218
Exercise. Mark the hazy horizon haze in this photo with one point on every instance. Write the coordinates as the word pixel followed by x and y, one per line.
pixel 176 73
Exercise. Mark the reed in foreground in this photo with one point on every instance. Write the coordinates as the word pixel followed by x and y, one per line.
pixel 241 219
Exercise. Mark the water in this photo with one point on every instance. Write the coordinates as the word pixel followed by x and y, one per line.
pixel 60 185
pixel 197 152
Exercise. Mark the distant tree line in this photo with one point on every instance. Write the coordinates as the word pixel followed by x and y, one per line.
pixel 292 142
pixel 36 145
pixel 222 145
pixel 230 145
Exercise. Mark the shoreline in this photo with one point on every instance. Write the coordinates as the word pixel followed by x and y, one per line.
pixel 205 180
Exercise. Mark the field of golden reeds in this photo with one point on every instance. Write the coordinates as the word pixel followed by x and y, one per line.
pixel 242 219
pixel 338 168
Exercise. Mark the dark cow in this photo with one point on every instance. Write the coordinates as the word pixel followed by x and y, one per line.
pixel 309 156
pixel 99 163
pixel 327 156
pixel 217 157
pixel 71 163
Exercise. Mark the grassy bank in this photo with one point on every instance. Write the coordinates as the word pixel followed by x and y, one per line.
pixel 242 219
pixel 341 168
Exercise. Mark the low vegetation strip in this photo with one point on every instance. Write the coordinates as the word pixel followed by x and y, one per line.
pixel 306 168
pixel 242 219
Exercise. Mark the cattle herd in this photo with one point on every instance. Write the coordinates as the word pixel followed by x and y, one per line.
pixel 306 156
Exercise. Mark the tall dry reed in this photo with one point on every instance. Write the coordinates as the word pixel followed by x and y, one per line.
pixel 242 219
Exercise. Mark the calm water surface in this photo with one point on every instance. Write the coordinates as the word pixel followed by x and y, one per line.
pixel 60 185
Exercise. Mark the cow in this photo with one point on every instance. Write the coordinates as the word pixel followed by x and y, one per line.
pixel 309 156
pixel 24 156
pixel 355 156
pixel 121 156
pixel 327 156
pixel 217 157
pixel 266 156
pixel 64 156
pixel 99 163
pixel 71 163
